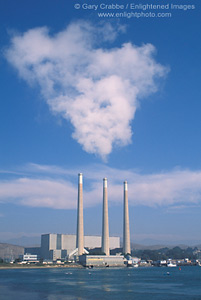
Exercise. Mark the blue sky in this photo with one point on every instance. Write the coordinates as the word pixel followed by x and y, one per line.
pixel 108 97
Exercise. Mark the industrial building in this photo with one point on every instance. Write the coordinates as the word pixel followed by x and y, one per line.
pixel 101 261
pixel 29 258
pixel 62 246
pixel 56 246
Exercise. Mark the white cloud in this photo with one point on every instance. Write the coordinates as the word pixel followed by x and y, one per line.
pixel 183 208
pixel 51 186
pixel 39 193
pixel 95 87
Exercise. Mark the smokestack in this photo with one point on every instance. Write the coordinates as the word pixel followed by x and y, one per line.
pixel 105 229
pixel 126 233
pixel 80 227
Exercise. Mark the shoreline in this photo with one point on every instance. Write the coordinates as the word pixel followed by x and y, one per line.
pixel 73 266
pixel 40 266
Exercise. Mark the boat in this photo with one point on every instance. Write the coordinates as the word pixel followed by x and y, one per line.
pixel 171 264
pixel 129 263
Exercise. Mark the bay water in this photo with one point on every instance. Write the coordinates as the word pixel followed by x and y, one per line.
pixel 101 284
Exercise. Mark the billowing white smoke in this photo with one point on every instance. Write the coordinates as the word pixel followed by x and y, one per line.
pixel 96 88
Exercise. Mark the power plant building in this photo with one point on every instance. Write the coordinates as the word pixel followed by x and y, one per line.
pixel 60 246
pixel 63 246
pixel 108 260
pixel 102 261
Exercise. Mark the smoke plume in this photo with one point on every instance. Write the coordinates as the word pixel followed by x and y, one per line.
pixel 86 81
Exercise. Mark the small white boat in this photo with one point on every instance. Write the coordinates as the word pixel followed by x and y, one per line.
pixel 129 263
pixel 171 264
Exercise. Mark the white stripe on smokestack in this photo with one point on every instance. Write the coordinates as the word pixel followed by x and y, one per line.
pixel 80 227
pixel 105 229
pixel 126 233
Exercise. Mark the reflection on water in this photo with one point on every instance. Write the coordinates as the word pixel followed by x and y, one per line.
pixel 100 284
pixel 55 297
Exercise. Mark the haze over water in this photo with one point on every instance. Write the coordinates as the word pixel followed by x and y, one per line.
pixel 96 284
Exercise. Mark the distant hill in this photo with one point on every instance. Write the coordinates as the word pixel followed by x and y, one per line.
pixel 25 241
pixel 8 251
pixel 156 247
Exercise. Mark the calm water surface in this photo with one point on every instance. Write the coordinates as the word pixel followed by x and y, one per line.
pixel 100 284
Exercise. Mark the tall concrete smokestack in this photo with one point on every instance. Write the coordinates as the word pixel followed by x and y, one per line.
pixel 105 229
pixel 126 233
pixel 80 227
